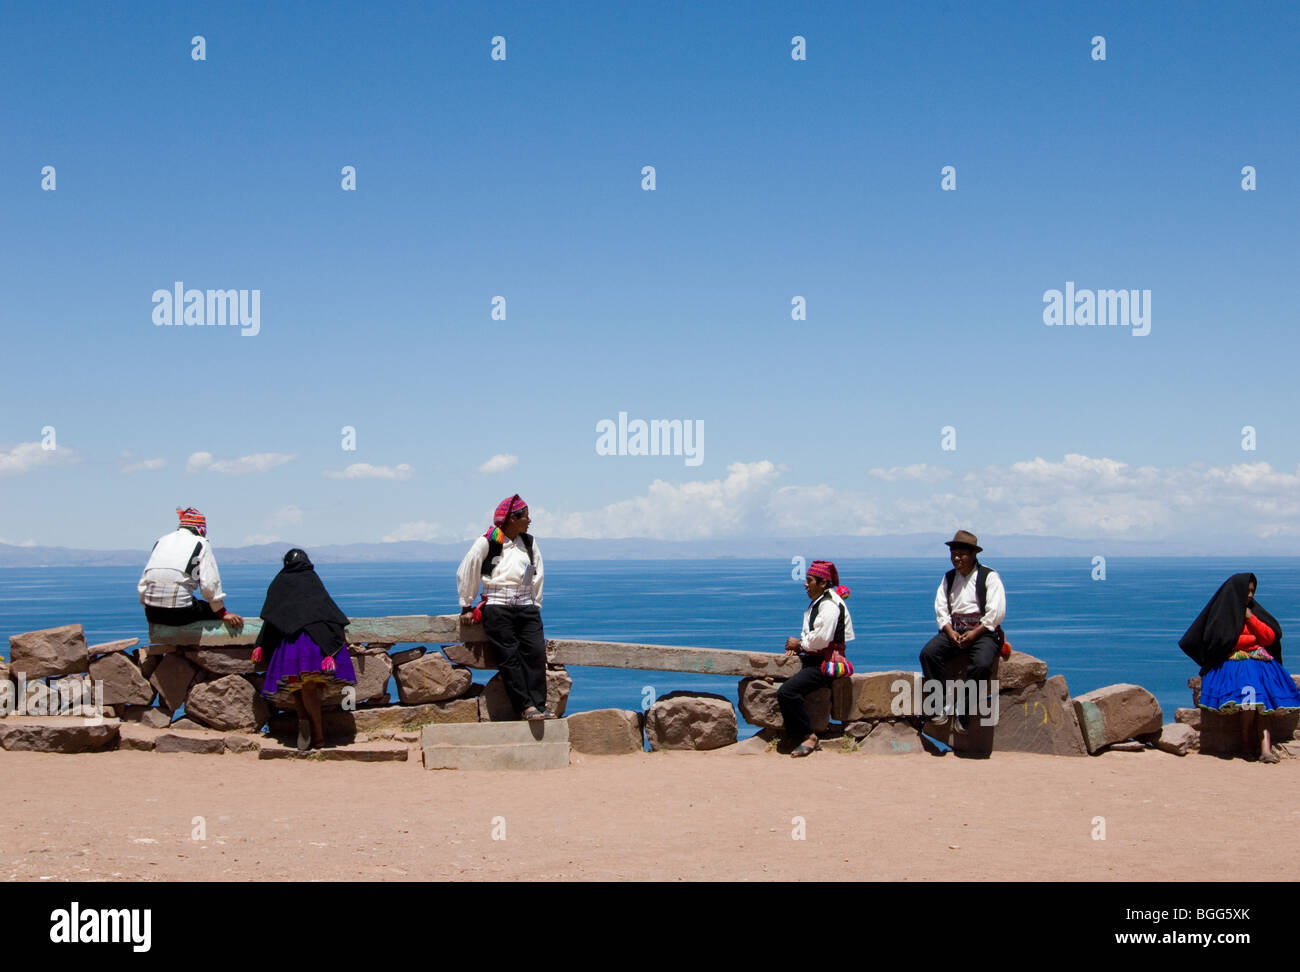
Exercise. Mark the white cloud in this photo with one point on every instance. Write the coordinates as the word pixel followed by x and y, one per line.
pixel 258 462
pixel 28 456
pixel 419 530
pixel 363 470
pixel 258 539
pixel 18 543
pixel 142 465
pixel 917 472
pixel 499 463
pixel 285 516
pixel 1076 496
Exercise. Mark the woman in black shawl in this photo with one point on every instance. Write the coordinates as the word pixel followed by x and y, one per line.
pixel 1239 648
pixel 303 628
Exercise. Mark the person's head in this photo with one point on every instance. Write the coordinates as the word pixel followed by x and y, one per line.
pixel 297 560
pixel 963 550
pixel 819 577
pixel 1250 589
pixel 512 517
pixel 192 520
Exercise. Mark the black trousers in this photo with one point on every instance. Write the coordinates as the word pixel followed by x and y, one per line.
pixel 982 655
pixel 198 611
pixel 790 696
pixel 516 635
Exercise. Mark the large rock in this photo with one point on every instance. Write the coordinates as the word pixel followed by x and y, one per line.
pixel 606 732
pixel 874 695
pixel 1194 683
pixel 759 707
pixel 1115 713
pixel 172 677
pixel 58 734
pixel 373 671
pixel 150 717
pixel 227 704
pixel 1039 719
pixel 4 671
pixel 346 726
pixel 1178 738
pixel 399 658
pixel 1188 717
pixel 494 704
pixel 431 678
pixel 223 661
pixel 690 720
pixel 50 651
pixel 891 739
pixel 1019 671
pixel 123 683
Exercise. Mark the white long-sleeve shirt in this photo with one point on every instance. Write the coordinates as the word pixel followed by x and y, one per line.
pixel 174 571
pixel 964 600
pixel 515 582
pixel 813 639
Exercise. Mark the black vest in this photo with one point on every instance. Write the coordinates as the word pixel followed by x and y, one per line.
pixel 838 637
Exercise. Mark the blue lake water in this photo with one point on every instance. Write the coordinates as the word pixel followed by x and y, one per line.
pixel 1094 632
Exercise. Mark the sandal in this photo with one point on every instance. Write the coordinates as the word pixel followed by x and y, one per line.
pixel 803 749
pixel 534 714
pixel 1268 758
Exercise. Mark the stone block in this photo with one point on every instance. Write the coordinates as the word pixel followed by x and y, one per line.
pixel 891 739
pixel 227 703
pixel 494 704
pixel 1188 717
pixel 606 732
pixel 236 660
pixel 1116 713
pixel 362 752
pixel 172 677
pixel 50 651
pixel 431 678
pixel 347 726
pixel 874 695
pixel 1019 671
pixel 513 756
pixel 759 707
pixel 1178 738
pixel 1039 719
pixel 690 720
pixel 238 742
pixel 399 658
pixel 132 735
pixel 57 734
pixel 123 682
pixel 172 741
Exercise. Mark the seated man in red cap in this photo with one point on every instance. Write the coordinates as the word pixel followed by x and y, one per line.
pixel 508 562
pixel 827 627
pixel 969 608
pixel 179 563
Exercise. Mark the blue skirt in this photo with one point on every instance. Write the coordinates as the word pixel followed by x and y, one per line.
pixel 298 660
pixel 1249 684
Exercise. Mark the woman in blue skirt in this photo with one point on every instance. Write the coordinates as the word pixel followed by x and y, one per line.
pixel 303 629
pixel 1239 648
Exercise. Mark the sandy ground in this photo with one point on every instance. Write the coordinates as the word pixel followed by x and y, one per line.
pixel 661 816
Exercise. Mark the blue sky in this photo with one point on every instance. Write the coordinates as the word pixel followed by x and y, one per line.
pixel 522 178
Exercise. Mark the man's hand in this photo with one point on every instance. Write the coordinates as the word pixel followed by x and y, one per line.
pixel 793 646
pixel 232 620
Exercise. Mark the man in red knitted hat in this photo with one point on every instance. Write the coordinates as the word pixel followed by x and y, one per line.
pixel 508 563
pixel 180 563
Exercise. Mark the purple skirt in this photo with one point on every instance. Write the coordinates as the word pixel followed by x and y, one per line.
pixel 298 659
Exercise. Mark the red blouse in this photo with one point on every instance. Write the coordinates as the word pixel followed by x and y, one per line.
pixel 1255 634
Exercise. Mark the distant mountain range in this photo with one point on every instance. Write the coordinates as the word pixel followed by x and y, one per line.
pixel 926 545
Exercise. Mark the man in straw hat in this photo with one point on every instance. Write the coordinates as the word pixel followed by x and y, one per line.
pixel 180 563
pixel 969 607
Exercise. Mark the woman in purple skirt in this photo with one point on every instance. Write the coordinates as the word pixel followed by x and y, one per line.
pixel 302 627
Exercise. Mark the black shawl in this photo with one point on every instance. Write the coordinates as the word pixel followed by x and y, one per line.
pixel 297 601
pixel 1213 635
